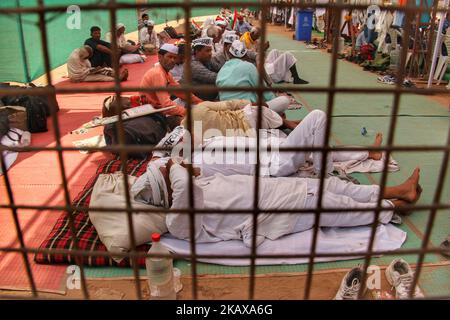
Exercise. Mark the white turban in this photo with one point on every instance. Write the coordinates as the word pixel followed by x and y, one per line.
pixel 120 25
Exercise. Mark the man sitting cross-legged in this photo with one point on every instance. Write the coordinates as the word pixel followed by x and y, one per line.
pixel 160 76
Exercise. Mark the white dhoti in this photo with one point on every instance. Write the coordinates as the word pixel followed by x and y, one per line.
pixel 236 192
pixel 343 194
pixel 309 133
pixel 277 65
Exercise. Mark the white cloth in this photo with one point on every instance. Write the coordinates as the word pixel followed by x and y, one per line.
pixel 277 65
pixel 170 48
pixel 279 104
pixel 13 138
pixel 270 118
pixel 112 227
pixel 130 58
pixel 309 133
pixel 236 192
pixel 146 38
pixel 329 240
pixel 150 188
pixel 344 163
pixel 177 71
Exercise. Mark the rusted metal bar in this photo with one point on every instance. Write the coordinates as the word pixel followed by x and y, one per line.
pixel 55 123
pixel 390 141
pixel 17 226
pixel 437 197
pixel 323 173
pixel 123 151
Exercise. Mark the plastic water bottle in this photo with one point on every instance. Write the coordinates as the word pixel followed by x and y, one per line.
pixel 160 272
pixel 394 58
pixel 366 132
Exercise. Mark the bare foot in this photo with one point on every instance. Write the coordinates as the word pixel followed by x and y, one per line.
pixel 124 75
pixel 376 155
pixel 410 189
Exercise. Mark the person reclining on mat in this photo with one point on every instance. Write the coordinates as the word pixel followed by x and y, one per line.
pixel 101 56
pixel 204 71
pixel 225 125
pixel 79 68
pixel 149 38
pixel 168 186
pixel 160 76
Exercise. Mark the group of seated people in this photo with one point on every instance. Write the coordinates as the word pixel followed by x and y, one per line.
pixel 93 61
pixel 229 58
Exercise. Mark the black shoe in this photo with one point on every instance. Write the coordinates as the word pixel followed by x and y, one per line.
pixel 300 81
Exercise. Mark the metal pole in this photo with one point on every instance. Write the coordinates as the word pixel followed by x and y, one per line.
pixel 437 46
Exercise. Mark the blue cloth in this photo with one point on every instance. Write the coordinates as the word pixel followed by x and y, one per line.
pixel 242 28
pixel 239 73
pixel 425 16
pixel 399 17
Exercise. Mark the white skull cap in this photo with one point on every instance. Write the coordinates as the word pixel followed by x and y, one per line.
pixel 238 49
pixel 230 38
pixel 169 48
pixel 206 41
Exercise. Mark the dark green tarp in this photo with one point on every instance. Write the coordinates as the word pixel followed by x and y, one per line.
pixel 61 39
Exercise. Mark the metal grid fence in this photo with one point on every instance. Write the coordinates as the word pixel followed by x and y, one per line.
pixel 331 90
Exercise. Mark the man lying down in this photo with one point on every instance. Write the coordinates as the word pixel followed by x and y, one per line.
pixel 231 126
pixel 167 186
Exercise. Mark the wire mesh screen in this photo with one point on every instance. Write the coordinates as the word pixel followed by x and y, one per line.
pixel 331 90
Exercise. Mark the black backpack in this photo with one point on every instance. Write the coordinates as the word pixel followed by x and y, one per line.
pixel 173 33
pixel 145 130
pixel 4 123
pixel 37 110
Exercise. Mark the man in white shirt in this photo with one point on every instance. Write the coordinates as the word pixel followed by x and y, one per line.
pixel 235 192
pixel 149 38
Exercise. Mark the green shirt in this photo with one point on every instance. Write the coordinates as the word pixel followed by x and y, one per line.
pixel 239 73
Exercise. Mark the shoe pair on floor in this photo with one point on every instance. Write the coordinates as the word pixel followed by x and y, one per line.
pixel 399 275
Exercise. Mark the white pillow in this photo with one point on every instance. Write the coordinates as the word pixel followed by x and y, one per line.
pixel 131 58
pixel 112 227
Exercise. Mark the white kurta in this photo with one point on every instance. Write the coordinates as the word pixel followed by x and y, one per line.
pixel 234 192
pixel 146 38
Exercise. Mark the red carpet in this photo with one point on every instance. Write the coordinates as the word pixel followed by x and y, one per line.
pixel 36 180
